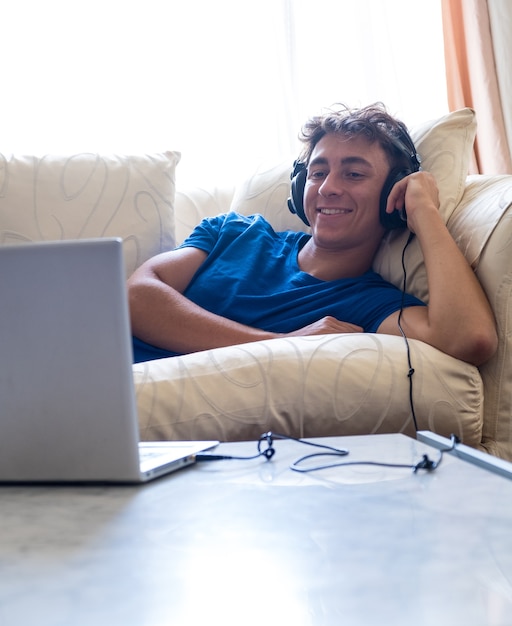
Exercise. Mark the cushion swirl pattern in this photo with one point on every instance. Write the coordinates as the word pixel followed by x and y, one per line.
pixel 54 197
pixel 308 386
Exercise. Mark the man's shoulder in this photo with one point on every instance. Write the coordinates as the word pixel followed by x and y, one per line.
pixel 234 229
pixel 255 223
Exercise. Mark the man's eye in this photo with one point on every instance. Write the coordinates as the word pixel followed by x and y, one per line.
pixel 354 175
pixel 318 174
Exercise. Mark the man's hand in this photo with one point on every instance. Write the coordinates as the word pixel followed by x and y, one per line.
pixel 417 193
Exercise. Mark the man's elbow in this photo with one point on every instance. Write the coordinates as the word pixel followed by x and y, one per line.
pixel 480 347
pixel 138 295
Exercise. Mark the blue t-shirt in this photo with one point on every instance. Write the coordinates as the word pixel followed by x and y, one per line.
pixel 251 275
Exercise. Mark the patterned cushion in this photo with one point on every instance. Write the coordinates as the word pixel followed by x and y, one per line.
pixel 90 195
pixel 308 386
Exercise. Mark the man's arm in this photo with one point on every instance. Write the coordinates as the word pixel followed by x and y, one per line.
pixel 458 319
pixel 162 316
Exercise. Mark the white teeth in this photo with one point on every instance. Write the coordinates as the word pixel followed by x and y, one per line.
pixel 333 211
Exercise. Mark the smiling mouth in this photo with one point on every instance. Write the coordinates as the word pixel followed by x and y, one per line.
pixel 334 211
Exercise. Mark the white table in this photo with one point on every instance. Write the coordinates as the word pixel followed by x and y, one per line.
pixel 253 543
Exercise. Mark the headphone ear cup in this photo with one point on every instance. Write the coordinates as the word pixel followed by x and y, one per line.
pixel 396 219
pixel 296 201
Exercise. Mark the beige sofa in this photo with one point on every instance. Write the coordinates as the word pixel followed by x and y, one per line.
pixel 313 386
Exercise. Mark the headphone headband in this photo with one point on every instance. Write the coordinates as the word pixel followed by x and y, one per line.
pixel 405 145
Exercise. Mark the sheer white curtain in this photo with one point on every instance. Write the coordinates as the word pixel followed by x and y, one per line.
pixel 226 82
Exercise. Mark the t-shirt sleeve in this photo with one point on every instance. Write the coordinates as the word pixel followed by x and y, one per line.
pixel 385 302
pixel 205 235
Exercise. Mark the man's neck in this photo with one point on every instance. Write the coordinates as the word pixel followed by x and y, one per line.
pixel 326 264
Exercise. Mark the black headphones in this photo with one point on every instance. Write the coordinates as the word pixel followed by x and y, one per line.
pixel 396 219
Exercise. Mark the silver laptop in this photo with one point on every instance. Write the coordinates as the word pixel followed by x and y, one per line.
pixel 67 399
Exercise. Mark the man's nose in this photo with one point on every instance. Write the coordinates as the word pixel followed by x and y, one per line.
pixel 331 186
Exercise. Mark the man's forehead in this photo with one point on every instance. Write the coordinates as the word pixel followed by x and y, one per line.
pixel 347 150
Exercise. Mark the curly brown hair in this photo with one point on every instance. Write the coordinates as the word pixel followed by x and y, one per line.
pixel 372 122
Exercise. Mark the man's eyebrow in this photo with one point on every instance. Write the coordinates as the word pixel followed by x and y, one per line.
pixel 350 160
pixel 317 161
pixel 355 160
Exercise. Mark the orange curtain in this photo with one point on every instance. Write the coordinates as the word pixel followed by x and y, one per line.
pixel 472 81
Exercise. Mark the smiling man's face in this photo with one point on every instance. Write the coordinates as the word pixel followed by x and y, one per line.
pixel 342 193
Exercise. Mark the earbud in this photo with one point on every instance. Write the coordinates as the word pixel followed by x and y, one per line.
pixel 426 464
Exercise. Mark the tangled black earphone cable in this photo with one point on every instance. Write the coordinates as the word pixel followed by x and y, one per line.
pixel 268 438
pixel 426 462
pixel 268 452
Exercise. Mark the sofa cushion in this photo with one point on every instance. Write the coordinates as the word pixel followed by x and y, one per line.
pixel 195 203
pixel 444 145
pixel 86 195
pixel 308 386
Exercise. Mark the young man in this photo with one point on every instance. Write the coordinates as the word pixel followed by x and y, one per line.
pixel 235 280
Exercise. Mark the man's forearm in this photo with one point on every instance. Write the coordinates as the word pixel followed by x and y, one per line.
pixel 459 314
pixel 165 318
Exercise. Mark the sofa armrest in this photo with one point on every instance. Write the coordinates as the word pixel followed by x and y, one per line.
pixel 482 227
pixel 345 384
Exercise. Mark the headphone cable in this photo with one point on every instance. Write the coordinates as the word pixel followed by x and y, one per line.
pixel 410 371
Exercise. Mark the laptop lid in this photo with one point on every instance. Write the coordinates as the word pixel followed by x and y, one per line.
pixel 67 401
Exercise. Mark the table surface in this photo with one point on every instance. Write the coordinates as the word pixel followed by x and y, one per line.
pixel 253 542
